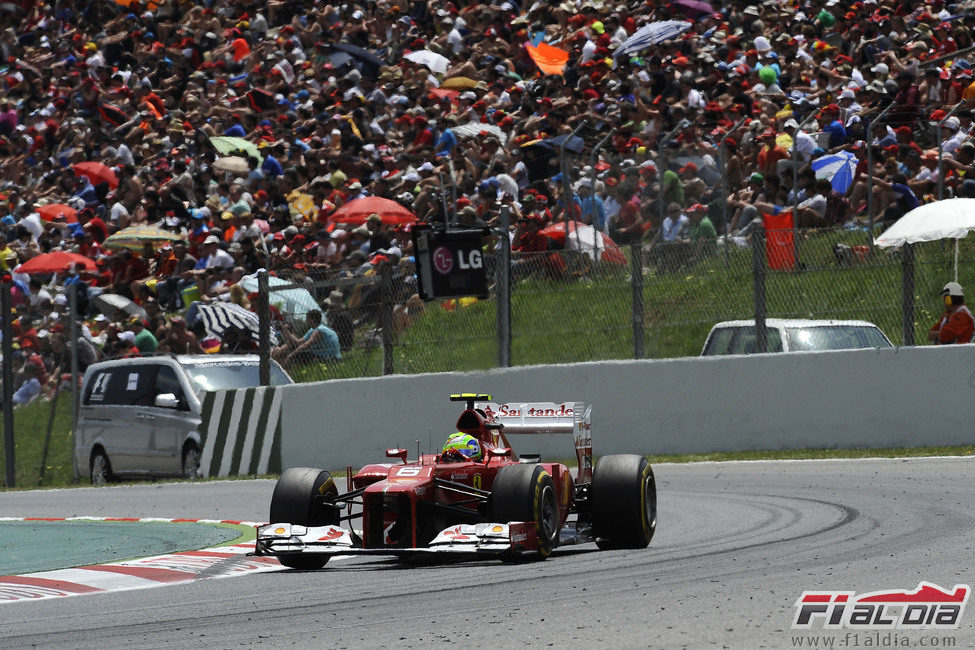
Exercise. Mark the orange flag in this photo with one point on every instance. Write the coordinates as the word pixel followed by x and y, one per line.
pixel 550 60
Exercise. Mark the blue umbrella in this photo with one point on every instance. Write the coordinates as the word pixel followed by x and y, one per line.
pixel 652 34
pixel 838 167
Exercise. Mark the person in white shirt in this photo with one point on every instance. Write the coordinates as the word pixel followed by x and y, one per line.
pixel 953 126
pixel 804 143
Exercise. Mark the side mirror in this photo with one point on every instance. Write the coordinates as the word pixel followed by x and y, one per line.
pixel 167 401
pixel 397 453
pixel 501 453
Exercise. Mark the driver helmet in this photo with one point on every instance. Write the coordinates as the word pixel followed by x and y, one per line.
pixel 464 444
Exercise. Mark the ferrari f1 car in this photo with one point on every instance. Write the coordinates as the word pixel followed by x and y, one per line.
pixel 497 505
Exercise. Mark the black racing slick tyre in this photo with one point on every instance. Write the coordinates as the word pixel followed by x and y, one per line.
pixel 295 501
pixel 527 493
pixel 623 498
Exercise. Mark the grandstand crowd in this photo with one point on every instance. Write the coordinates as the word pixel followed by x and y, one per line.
pixel 241 128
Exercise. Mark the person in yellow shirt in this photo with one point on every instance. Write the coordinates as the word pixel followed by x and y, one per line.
pixel 8 256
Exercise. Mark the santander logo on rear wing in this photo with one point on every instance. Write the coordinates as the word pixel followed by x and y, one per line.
pixel 548 417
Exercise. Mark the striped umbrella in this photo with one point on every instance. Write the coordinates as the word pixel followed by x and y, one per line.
pixel 134 238
pixel 838 168
pixel 219 316
pixel 652 34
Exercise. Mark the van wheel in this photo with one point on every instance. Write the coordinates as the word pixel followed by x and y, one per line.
pixel 191 461
pixel 101 468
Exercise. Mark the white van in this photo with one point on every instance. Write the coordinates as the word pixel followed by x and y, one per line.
pixel 140 417
pixel 794 335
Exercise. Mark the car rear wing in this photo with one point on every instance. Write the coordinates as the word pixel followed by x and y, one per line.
pixel 518 418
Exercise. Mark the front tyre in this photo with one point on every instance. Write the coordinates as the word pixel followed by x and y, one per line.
pixel 624 502
pixel 527 493
pixel 296 500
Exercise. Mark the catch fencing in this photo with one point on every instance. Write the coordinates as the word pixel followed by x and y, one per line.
pixel 650 301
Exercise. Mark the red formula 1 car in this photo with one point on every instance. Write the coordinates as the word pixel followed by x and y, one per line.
pixel 498 504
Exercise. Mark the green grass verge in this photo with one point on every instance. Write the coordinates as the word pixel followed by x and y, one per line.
pixel 30 430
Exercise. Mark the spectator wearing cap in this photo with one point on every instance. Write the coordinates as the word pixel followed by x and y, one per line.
pixel 742 202
pixel 592 205
pixel 123 346
pixel 895 197
pixel 339 319
pixel 702 230
pixel 804 143
pixel 769 154
pixel 212 256
pixel 956 324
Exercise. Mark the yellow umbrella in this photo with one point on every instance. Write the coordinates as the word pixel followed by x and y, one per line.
pixel 458 83
pixel 303 204
pixel 134 238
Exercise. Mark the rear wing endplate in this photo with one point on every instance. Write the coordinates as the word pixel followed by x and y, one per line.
pixel 573 418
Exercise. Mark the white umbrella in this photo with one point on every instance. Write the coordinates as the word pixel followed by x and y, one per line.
pixel 651 34
pixel 472 129
pixel 432 60
pixel 948 219
pixel 295 303
pixel 234 164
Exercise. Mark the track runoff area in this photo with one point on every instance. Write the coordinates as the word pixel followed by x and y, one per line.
pixel 56 543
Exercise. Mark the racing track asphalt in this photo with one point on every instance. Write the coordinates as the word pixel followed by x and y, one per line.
pixel 736 545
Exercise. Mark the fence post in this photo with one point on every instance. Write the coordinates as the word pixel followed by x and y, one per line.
pixel 8 384
pixel 907 293
pixel 502 289
pixel 386 317
pixel 636 283
pixel 75 386
pixel 758 273
pixel 264 328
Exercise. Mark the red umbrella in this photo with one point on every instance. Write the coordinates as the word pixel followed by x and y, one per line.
pixel 585 238
pixel 97 173
pixel 440 93
pixel 51 211
pixel 54 262
pixel 357 211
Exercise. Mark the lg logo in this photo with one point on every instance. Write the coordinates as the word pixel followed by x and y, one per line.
pixel 443 260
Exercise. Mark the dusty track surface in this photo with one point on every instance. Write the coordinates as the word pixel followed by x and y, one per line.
pixel 736 545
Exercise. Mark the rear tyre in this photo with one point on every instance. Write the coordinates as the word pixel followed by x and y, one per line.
pixel 191 461
pixel 100 468
pixel 295 501
pixel 527 493
pixel 624 502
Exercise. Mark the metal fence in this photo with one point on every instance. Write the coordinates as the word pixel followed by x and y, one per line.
pixel 656 301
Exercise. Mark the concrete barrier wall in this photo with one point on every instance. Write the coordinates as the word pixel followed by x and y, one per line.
pixel 897 397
